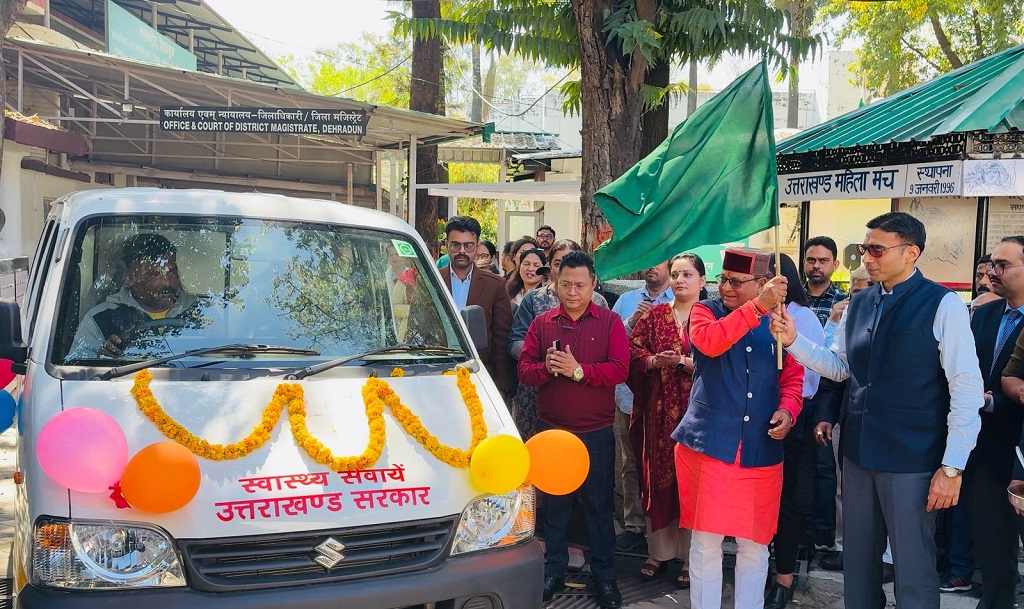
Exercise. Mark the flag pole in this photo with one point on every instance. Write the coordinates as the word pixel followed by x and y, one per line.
pixel 778 272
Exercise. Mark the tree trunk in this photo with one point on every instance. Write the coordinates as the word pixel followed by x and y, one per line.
pixel 611 104
pixel 793 102
pixel 426 94
pixel 490 81
pixel 476 107
pixel 691 95
pixel 10 10
pixel 654 122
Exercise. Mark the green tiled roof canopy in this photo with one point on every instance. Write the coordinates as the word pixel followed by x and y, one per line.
pixel 983 96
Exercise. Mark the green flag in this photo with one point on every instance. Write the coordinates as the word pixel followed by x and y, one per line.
pixel 712 181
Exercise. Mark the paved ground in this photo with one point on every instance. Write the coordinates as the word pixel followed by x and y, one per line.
pixel 7 444
pixel 824 590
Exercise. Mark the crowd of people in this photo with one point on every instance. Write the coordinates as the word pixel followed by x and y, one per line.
pixel 784 412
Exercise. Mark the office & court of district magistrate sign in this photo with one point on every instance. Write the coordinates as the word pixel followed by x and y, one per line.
pixel 293 121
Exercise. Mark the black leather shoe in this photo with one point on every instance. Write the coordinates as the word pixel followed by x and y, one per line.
pixel 778 597
pixel 552 586
pixel 608 596
pixel 832 562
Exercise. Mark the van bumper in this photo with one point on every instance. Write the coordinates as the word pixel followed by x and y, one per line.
pixel 511 578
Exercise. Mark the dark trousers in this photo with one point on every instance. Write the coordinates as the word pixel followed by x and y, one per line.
pixel 597 495
pixel 994 527
pixel 958 531
pixel 792 511
pixel 875 503
pixel 825 486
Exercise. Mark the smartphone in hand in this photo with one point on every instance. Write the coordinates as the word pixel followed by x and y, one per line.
pixel 557 346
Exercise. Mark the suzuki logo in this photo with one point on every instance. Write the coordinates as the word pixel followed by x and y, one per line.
pixel 330 553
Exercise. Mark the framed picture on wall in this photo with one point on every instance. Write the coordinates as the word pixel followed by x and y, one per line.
pixel 950 223
pixel 1005 218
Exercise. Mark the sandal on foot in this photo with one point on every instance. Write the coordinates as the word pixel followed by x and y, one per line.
pixel 683 581
pixel 651 569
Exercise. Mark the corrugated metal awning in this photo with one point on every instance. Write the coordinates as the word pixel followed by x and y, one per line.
pixel 986 96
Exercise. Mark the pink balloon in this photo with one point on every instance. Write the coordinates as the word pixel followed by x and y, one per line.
pixel 82 449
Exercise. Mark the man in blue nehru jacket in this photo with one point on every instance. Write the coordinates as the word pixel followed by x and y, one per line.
pixel 911 417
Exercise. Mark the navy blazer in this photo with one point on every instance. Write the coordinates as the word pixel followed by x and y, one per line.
pixel 1001 428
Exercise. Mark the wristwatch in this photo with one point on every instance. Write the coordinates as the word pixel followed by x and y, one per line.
pixel 577 374
pixel 951 472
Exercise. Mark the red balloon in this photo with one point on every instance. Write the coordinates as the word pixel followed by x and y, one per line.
pixel 6 376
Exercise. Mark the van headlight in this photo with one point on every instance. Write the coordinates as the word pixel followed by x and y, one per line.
pixel 493 521
pixel 103 554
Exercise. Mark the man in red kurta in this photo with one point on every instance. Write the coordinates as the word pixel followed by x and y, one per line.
pixel 729 456
pixel 576 392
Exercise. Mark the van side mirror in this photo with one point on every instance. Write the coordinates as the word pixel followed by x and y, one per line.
pixel 476 321
pixel 11 345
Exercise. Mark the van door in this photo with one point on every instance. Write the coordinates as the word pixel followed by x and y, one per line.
pixel 38 271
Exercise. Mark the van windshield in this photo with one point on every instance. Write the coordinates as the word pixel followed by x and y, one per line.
pixel 144 287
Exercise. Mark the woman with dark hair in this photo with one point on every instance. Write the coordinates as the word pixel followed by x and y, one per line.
pixel 798 457
pixel 661 374
pixel 519 246
pixel 487 257
pixel 527 275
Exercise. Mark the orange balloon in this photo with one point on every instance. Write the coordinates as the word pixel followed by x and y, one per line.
pixel 161 478
pixel 559 462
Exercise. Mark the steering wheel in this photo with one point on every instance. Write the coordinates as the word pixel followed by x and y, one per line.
pixel 151 328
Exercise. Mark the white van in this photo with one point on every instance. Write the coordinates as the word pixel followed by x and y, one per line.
pixel 268 290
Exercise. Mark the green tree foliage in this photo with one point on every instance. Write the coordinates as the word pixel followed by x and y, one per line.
pixel 484 210
pixel 375 70
pixel 904 42
pixel 613 43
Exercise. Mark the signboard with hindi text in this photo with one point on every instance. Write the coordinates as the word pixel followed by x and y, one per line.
pixel 294 121
pixel 935 179
pixel 863 183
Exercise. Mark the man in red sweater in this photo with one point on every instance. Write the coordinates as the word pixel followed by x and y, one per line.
pixel 575 355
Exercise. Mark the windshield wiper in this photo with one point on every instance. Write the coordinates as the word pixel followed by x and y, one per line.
pixel 301 373
pixel 231 349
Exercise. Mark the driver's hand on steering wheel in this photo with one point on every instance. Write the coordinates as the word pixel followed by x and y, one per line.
pixel 111 347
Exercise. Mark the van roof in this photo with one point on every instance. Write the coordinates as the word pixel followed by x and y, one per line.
pixel 78 205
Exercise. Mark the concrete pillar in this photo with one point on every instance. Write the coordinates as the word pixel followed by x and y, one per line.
pixel 11 238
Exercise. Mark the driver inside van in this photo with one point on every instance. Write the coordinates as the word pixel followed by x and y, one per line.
pixel 151 301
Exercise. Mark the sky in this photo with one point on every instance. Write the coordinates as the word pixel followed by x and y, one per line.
pixel 299 27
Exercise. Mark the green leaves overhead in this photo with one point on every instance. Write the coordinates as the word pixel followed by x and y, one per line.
pixel 545 30
pixel 905 42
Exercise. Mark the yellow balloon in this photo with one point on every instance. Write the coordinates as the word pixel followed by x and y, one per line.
pixel 499 464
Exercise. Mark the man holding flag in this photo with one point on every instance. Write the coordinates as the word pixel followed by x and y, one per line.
pixel 714 181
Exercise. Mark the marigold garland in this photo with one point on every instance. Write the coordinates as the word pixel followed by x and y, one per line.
pixel 456 457
pixel 285 394
pixel 376 395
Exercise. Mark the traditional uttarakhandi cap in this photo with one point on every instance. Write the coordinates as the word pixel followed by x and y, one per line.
pixel 746 260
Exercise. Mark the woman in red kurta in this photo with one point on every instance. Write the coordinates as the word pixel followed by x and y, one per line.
pixel 661 373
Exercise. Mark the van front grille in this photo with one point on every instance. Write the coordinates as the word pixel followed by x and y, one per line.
pixel 291 559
